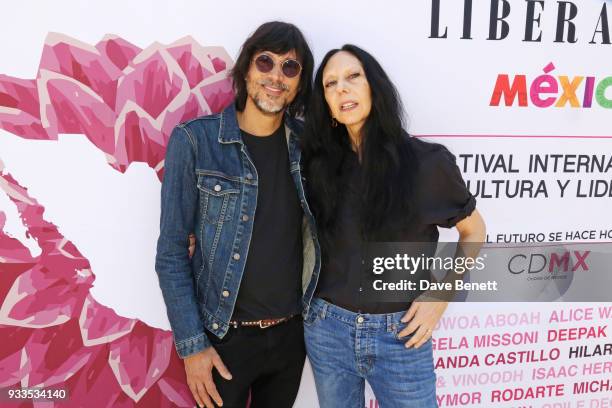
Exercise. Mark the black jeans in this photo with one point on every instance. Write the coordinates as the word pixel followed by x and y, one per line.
pixel 267 362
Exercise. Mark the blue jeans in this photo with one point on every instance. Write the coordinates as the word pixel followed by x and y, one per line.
pixel 347 348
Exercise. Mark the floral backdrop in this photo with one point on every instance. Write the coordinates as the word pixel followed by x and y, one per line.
pixel 125 100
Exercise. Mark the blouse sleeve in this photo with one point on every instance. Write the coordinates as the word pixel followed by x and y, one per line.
pixel 446 199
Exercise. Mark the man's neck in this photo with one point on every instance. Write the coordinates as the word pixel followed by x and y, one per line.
pixel 257 123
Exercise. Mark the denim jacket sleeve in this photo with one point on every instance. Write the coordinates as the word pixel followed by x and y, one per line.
pixel 179 199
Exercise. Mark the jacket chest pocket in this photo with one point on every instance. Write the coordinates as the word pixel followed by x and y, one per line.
pixel 218 196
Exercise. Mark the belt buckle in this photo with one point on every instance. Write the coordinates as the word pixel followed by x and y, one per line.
pixel 264 325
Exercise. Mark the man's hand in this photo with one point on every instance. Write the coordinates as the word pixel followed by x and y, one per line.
pixel 199 376
pixel 423 317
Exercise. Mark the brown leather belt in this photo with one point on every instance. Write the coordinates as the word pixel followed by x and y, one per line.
pixel 263 324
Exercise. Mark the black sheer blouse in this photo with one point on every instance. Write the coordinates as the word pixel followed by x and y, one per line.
pixel 441 200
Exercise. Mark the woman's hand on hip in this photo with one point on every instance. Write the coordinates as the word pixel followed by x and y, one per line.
pixel 422 317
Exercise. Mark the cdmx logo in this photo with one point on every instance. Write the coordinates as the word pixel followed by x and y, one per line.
pixel 554 264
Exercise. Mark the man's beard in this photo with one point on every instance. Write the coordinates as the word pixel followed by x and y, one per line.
pixel 265 105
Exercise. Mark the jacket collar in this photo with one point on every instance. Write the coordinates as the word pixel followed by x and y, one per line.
pixel 229 131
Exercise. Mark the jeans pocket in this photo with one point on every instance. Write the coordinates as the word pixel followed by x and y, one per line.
pixel 397 329
pixel 311 318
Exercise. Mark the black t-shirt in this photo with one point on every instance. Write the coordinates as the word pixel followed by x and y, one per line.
pixel 271 283
pixel 441 199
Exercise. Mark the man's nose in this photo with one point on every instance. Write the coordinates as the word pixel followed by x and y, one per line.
pixel 277 72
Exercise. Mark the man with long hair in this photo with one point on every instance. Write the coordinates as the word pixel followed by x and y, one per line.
pixel 234 178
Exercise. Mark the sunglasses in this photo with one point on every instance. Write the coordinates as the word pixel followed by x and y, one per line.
pixel 289 67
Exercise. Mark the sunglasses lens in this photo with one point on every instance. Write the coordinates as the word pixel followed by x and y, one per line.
pixel 264 63
pixel 291 68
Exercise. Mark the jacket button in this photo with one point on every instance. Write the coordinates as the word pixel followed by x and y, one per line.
pixel 360 319
pixel 215 326
pixel 225 293
pixel 245 218
pixel 249 176
pixel 218 187
pixel 236 256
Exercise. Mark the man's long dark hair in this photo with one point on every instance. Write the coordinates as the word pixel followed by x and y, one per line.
pixel 386 159
pixel 277 37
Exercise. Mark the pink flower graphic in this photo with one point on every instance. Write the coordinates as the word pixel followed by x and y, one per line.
pixel 125 100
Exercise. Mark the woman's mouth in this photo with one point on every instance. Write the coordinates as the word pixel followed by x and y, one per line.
pixel 348 106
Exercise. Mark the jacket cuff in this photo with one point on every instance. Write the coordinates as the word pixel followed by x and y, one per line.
pixel 192 346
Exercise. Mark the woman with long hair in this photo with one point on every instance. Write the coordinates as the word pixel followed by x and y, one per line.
pixel 368 181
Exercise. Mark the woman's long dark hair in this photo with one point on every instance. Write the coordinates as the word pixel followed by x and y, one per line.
pixel 387 161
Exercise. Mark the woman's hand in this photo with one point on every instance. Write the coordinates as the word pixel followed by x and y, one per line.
pixel 425 312
pixel 422 317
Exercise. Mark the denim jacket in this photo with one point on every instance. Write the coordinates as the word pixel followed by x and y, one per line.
pixel 210 188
